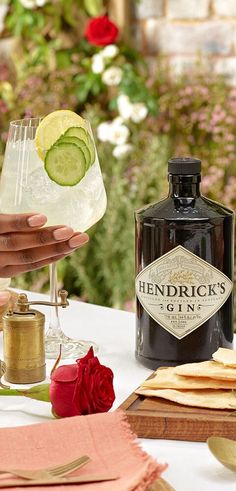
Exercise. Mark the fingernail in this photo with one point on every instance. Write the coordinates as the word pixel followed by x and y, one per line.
pixel 4 297
pixel 78 240
pixel 62 233
pixel 37 220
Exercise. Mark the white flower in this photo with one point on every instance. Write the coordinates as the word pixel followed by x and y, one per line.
pixel 118 120
pixel 3 11
pixel 118 134
pixel 103 131
pixel 110 51
pixel 114 132
pixel 97 63
pixel 136 111
pixel 139 112
pixel 112 75
pixel 122 150
pixel 30 4
pixel 124 106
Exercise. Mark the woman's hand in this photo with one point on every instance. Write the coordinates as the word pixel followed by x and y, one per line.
pixel 4 297
pixel 25 245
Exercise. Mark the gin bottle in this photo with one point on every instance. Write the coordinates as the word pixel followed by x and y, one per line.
pixel 184 273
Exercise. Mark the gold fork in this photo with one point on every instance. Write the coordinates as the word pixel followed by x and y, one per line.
pixel 49 472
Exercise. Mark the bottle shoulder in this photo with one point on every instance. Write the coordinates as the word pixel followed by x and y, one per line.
pixel 199 208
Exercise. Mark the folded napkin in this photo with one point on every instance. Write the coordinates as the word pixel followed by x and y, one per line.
pixel 106 438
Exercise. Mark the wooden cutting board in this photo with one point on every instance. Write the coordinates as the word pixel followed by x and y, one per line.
pixel 151 417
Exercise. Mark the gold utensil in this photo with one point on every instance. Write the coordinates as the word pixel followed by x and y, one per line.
pixel 62 480
pixel 223 450
pixel 161 485
pixel 49 472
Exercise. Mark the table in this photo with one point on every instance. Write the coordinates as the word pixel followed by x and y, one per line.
pixel 191 466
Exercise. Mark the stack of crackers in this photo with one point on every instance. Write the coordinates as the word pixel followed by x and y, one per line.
pixel 209 384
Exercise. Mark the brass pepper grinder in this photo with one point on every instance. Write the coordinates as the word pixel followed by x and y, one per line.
pixel 23 340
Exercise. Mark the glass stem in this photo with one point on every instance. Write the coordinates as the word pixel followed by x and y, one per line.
pixel 54 329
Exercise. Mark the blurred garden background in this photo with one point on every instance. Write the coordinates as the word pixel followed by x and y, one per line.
pixel 156 78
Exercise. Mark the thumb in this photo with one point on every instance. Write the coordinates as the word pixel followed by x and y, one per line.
pixel 4 297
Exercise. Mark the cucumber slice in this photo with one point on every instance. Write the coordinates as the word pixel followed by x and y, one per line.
pixel 91 147
pixel 65 164
pixel 81 133
pixel 81 144
pixel 77 131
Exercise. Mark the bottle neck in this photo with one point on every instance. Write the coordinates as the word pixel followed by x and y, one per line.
pixel 184 186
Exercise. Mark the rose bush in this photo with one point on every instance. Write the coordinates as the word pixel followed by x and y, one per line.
pixel 55 67
pixel 101 31
pixel 85 387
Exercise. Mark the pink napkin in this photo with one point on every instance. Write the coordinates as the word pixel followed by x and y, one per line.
pixel 106 438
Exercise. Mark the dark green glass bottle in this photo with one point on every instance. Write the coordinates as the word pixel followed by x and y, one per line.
pixel 184 273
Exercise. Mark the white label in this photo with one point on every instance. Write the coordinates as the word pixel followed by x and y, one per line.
pixel 181 291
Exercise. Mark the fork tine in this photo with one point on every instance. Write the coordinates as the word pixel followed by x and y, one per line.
pixel 59 467
pixel 66 471
pixel 70 466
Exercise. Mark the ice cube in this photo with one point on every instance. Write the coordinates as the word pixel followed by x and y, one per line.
pixel 41 190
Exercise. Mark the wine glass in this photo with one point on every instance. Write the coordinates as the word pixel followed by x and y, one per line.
pixel 26 187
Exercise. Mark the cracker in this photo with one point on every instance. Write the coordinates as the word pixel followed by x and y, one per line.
pixel 225 356
pixel 166 378
pixel 212 399
pixel 209 369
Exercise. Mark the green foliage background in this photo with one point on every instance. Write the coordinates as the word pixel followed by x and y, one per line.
pixel 51 68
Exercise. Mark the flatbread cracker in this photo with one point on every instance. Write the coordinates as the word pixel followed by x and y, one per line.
pixel 225 356
pixel 212 399
pixel 166 378
pixel 209 369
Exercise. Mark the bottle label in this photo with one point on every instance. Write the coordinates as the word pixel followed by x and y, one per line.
pixel 181 291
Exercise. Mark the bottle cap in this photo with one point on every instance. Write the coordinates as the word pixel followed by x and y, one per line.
pixel 184 166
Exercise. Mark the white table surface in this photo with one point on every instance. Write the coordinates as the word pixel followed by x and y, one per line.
pixel 191 465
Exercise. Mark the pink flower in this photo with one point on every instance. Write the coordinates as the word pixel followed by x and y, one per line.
pixel 3 107
pixel 4 71
pixel 4 136
pixel 28 112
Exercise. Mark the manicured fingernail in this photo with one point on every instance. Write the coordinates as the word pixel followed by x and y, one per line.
pixel 4 297
pixel 62 233
pixel 37 220
pixel 78 240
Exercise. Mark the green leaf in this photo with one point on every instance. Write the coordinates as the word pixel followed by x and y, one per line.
pixel 9 392
pixel 96 87
pixel 93 7
pixel 63 59
pixel 38 392
pixel 112 106
pixel 68 13
pixel 80 78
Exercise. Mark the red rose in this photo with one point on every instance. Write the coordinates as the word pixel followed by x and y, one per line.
pixel 101 31
pixel 85 387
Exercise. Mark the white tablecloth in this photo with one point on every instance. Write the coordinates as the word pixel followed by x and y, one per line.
pixel 191 465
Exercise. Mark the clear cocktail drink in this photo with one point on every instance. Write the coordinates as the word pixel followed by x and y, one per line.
pixel 26 188
pixel 51 167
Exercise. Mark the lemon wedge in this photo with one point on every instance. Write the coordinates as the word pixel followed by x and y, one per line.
pixel 53 126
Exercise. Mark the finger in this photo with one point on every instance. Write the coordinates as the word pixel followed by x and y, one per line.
pixel 4 298
pixel 21 222
pixel 35 254
pixel 40 237
pixel 8 271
